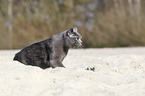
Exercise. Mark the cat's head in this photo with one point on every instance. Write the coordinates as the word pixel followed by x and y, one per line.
pixel 73 38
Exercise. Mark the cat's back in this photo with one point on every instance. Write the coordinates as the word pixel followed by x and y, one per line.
pixel 37 49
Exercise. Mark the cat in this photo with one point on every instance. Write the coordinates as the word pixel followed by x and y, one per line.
pixel 50 52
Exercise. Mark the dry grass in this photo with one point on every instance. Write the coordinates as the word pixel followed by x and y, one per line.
pixel 36 22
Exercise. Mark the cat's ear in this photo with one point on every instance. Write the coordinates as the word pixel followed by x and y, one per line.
pixel 69 32
pixel 75 29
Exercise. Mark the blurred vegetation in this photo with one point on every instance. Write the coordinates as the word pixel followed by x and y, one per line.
pixel 102 23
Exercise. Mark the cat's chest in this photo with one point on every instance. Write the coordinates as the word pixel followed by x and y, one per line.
pixel 63 54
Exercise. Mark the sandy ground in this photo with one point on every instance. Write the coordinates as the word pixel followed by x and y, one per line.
pixel 111 72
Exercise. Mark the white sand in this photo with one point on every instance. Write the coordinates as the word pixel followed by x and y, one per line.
pixel 118 72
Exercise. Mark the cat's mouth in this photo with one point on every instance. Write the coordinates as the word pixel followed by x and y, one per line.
pixel 78 45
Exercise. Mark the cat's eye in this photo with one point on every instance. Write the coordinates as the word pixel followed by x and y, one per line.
pixel 77 38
